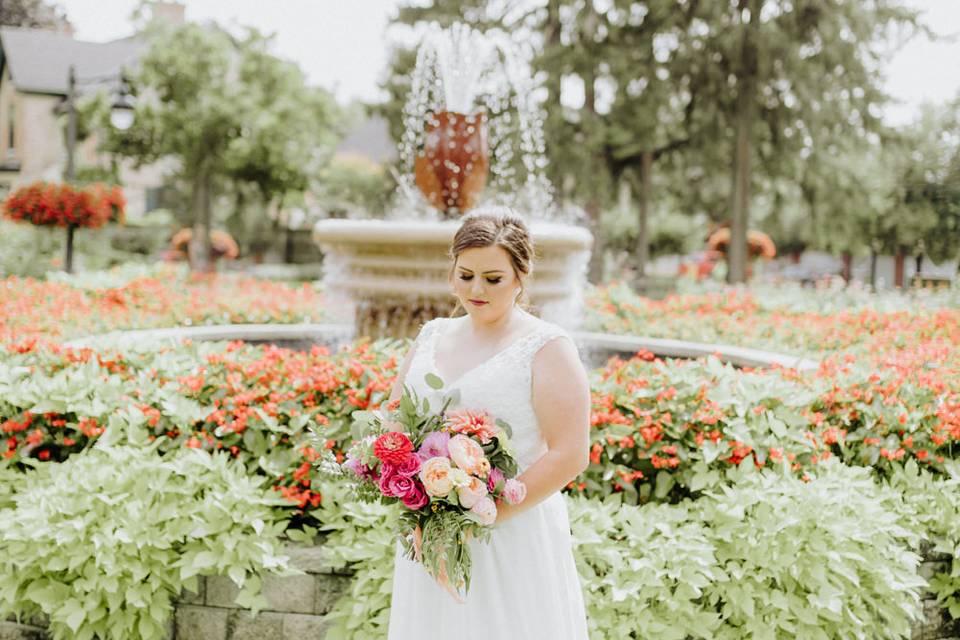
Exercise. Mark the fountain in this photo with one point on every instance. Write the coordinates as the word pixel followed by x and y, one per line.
pixel 473 136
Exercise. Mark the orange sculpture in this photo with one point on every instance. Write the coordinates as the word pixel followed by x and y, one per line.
pixel 451 169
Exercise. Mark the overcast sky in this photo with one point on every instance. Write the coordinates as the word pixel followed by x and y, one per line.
pixel 341 44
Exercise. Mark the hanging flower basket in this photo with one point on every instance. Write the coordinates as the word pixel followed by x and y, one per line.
pixel 62 205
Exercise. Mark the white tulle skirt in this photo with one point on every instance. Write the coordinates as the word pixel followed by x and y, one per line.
pixel 524 586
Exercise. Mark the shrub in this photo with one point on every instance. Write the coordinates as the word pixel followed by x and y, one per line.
pixel 770 556
pixel 102 543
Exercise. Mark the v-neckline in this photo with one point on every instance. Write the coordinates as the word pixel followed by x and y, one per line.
pixel 433 354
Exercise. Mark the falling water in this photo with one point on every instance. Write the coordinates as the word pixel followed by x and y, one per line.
pixel 462 70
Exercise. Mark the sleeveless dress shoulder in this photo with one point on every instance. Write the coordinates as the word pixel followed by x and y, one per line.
pixel 524 583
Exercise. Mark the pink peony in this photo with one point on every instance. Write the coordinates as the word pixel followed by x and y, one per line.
pixel 468 455
pixel 473 423
pixel 514 491
pixel 496 476
pixel 470 494
pixel 409 467
pixel 484 511
pixel 434 444
pixel 435 476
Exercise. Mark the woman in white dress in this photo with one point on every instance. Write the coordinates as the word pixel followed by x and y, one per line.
pixel 502 359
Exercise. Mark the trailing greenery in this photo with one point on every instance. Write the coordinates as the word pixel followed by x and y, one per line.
pixel 103 543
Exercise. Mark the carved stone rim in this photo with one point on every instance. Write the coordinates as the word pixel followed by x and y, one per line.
pixel 314 332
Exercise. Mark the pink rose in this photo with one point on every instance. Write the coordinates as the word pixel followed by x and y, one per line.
pixel 484 511
pixel 469 456
pixel 398 486
pixel 514 491
pixel 435 476
pixel 496 476
pixel 416 498
pixel 409 467
pixel 470 494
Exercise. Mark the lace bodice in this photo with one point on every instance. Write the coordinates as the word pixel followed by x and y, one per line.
pixel 500 384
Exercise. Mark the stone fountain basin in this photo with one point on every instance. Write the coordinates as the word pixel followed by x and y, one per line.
pixel 595 348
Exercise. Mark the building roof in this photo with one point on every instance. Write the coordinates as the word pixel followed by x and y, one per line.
pixel 39 60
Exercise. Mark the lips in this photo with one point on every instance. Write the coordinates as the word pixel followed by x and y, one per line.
pixel 477 302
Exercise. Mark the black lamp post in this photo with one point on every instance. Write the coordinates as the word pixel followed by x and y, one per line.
pixel 121 117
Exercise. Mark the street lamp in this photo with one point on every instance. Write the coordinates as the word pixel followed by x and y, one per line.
pixel 121 117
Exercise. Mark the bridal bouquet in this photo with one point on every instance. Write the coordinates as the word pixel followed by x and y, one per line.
pixel 448 470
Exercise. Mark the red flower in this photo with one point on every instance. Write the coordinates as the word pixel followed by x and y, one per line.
pixel 393 447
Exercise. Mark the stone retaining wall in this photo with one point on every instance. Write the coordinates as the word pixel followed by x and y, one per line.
pixel 297 605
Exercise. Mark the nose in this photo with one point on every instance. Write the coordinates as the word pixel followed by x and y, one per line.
pixel 476 287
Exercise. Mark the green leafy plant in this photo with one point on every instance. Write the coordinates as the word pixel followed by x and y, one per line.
pixel 102 543
pixel 769 556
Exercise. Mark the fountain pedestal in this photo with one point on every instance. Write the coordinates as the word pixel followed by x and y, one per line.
pixel 395 272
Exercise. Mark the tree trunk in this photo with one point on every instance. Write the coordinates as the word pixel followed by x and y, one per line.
pixel 746 108
pixel 199 250
pixel 593 206
pixel 873 269
pixel 898 261
pixel 643 214
pixel 847 271
pixel 68 249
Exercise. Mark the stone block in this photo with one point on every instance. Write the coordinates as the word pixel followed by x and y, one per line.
pixel 297 626
pixel 221 592
pixel 309 559
pixel 15 631
pixel 241 625
pixel 292 594
pixel 189 597
pixel 200 623
pixel 329 590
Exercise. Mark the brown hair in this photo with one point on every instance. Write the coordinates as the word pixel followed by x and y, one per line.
pixel 495 226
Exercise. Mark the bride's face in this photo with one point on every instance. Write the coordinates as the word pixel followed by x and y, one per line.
pixel 484 281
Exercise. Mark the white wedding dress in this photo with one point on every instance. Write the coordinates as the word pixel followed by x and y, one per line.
pixel 524 583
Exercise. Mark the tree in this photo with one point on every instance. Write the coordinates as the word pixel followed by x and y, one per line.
pixel 37 14
pixel 228 112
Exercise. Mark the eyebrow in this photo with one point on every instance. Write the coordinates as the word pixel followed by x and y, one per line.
pixel 469 271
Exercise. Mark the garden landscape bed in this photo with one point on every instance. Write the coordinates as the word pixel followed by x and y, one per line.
pixel 720 502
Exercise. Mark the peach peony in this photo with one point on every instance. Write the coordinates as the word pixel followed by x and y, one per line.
pixel 435 476
pixel 469 456
pixel 471 494
pixel 514 491
pixel 484 511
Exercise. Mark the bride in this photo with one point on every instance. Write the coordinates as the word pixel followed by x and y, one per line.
pixel 527 371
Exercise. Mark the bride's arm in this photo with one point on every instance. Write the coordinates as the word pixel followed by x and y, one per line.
pixel 561 400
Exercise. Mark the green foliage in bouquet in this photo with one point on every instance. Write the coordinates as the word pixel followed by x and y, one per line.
pixel 103 543
pixel 770 556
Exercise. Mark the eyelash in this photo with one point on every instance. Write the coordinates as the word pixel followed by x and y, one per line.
pixel 491 281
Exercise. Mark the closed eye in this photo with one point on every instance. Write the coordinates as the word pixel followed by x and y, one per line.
pixel 490 280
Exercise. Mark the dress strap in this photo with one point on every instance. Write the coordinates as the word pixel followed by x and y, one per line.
pixel 535 341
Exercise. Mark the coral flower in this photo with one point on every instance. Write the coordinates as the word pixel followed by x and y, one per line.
pixel 393 447
pixel 473 423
